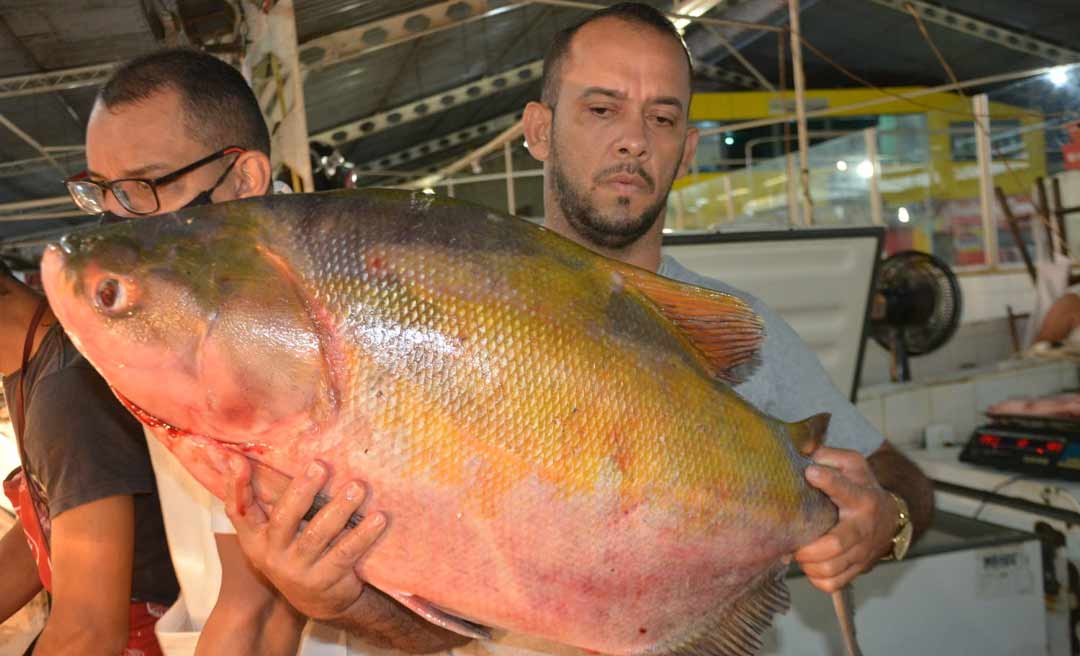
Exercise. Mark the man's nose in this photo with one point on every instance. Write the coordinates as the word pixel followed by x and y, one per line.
pixel 633 139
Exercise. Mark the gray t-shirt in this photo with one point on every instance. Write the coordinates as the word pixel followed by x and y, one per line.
pixel 789 382
pixel 82 445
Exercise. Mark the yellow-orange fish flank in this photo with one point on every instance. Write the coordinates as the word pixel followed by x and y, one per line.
pixel 547 429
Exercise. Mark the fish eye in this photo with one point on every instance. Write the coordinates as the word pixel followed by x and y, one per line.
pixel 110 295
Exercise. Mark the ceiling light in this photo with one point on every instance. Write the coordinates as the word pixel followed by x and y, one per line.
pixel 429 191
pixel 865 169
pixel 902 215
pixel 1058 75
pixel 841 165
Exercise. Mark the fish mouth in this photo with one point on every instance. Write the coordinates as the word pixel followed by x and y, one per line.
pixel 149 420
pixel 248 449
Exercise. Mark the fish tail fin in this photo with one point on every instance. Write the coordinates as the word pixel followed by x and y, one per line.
pixel 807 435
pixel 737 628
pixel 844 603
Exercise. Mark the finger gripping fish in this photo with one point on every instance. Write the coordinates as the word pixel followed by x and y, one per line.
pixel 551 433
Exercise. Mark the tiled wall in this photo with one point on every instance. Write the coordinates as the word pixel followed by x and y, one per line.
pixel 977 344
pixel 903 411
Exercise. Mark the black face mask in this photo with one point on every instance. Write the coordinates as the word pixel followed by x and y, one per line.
pixel 204 197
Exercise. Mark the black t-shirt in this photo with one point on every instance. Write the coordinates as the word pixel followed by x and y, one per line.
pixel 82 445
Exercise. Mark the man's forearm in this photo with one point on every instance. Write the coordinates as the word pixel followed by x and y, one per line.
pixel 267 627
pixel 63 636
pixel 20 581
pixel 381 621
pixel 896 473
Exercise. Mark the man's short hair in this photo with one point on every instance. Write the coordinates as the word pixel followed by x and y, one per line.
pixel 636 13
pixel 219 107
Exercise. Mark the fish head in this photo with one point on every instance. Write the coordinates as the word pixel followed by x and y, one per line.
pixel 201 329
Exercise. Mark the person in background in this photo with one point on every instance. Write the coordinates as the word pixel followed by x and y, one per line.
pixel 89 527
pixel 175 129
pixel 1061 321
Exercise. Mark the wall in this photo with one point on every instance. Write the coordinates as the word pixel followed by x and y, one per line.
pixel 902 411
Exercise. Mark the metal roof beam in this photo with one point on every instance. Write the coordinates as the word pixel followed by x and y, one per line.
pixel 980 29
pixel 432 104
pixel 433 146
pixel 314 54
pixel 353 42
pixel 61 80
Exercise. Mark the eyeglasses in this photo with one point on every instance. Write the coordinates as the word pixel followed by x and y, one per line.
pixel 136 195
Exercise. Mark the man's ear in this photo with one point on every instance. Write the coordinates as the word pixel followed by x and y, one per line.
pixel 253 176
pixel 537 124
pixel 689 150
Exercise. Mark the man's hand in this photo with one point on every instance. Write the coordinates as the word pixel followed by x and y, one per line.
pixel 314 567
pixel 866 524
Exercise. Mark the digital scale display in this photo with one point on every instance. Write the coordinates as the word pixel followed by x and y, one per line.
pixel 1026 451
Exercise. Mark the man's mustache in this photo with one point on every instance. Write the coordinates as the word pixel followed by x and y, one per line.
pixel 629 168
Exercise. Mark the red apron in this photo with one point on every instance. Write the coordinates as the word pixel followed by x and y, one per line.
pixel 27 497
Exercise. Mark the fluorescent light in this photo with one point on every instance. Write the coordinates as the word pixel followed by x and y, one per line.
pixel 693 8
pixel 841 165
pixel 429 191
pixel 1058 75
pixel 902 215
pixel 865 169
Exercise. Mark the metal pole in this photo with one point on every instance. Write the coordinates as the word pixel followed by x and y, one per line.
pixel 272 67
pixel 730 201
pixel 980 106
pixel 870 137
pixel 792 194
pixel 508 161
pixel 800 112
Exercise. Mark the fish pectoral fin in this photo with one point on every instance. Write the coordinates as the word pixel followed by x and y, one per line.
pixel 723 327
pixel 440 617
pixel 807 435
pixel 736 629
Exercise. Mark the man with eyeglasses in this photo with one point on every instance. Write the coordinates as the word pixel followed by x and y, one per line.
pixel 176 129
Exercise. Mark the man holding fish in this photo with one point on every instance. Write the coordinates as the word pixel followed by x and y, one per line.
pixel 612 130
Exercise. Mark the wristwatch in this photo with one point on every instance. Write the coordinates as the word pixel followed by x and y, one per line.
pixel 902 540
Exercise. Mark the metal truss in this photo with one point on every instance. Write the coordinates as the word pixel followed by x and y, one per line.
pixel 353 42
pixel 980 29
pixel 432 104
pixel 69 78
pixel 488 128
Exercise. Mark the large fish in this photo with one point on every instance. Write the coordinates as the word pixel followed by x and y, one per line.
pixel 546 429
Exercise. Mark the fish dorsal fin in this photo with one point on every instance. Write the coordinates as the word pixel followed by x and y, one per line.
pixel 736 629
pixel 807 435
pixel 723 327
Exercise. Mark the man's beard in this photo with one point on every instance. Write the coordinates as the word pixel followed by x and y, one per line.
pixel 589 222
